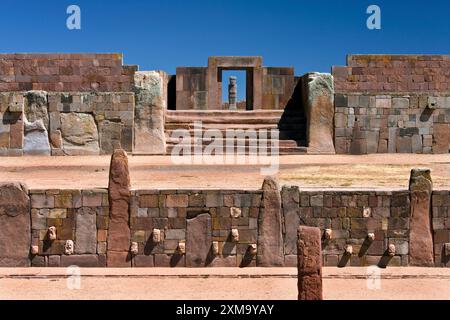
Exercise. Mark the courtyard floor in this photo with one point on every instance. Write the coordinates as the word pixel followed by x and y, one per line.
pixel 226 283
pixel 375 171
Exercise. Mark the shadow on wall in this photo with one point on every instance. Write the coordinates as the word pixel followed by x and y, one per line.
pixel 292 124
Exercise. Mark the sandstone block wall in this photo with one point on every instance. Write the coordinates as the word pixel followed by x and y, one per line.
pixel 350 215
pixel 65 72
pixel 78 215
pixel 202 221
pixel 62 123
pixel 393 73
pixel 392 103
pixel 396 123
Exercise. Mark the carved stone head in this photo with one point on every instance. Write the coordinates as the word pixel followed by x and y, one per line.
pixel 235 235
pixel 215 248
pixel 391 250
pixel 252 249
pixel 156 236
pixel 51 233
pixel 34 250
pixel 349 250
pixel 68 247
pixel 134 249
pixel 328 234
pixel 181 247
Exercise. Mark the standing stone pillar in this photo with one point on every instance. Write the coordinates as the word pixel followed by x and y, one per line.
pixel 15 225
pixel 150 91
pixel 318 92
pixel 420 234
pixel 309 255
pixel 270 237
pixel 119 238
pixel 232 93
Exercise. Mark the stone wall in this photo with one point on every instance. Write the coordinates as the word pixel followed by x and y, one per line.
pixel 351 216
pixel 441 227
pixel 65 72
pixel 395 123
pixel 78 215
pixel 393 73
pixel 60 123
pixel 220 228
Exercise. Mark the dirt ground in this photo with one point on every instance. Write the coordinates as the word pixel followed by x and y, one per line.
pixel 226 283
pixel 308 171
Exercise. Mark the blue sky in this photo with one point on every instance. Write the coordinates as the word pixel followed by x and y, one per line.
pixel 157 34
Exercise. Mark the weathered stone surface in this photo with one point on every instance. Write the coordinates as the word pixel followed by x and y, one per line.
pixel 420 234
pixel 291 210
pixel 86 261
pixel 79 134
pixel 36 140
pixel 309 264
pixel 86 231
pixel 319 106
pixel 149 134
pixel 441 138
pixel 270 238
pixel 36 107
pixel 15 233
pixel 119 237
pixel 198 240
pixel 110 136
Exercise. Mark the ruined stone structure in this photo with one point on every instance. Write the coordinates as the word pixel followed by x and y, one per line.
pixel 91 104
pixel 87 104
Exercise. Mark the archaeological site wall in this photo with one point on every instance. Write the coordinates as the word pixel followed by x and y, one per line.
pixel 392 104
pixel 224 228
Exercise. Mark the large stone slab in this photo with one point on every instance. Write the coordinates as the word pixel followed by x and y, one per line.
pixel 291 212
pixel 309 264
pixel 119 200
pixel 198 240
pixel 15 225
pixel 420 233
pixel 318 92
pixel 35 140
pixel 270 237
pixel 79 134
pixel 149 136
pixel 86 231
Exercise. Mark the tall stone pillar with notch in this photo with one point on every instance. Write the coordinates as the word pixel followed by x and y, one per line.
pixel 270 236
pixel 421 251
pixel 119 237
pixel 309 255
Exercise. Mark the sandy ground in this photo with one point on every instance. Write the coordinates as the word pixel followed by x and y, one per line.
pixel 226 283
pixel 159 172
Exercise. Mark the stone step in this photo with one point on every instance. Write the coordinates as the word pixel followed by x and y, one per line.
pixel 226 113
pixel 267 142
pixel 280 150
pixel 282 134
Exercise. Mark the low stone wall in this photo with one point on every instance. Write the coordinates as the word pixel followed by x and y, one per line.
pixel 377 123
pixel 219 228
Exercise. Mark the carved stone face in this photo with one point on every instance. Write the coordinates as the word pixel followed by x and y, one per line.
pixel 34 250
pixel 349 250
pixel 181 247
pixel 215 248
pixel 134 248
pixel 371 236
pixel 328 233
pixel 252 249
pixel 51 233
pixel 235 235
pixel 235 212
pixel 68 247
pixel 156 236
pixel 391 250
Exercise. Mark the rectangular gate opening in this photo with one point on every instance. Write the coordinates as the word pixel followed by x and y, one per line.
pixel 236 84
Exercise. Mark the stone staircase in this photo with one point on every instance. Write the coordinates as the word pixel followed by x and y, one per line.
pixel 290 126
